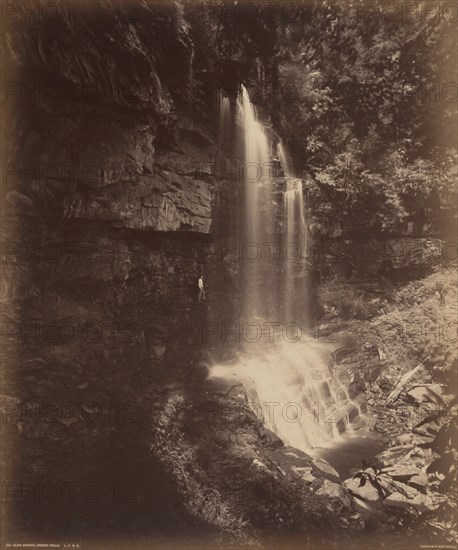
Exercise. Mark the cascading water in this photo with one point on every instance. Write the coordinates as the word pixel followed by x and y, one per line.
pixel 295 393
pixel 224 119
pixel 258 216
pixel 295 242
pixel 288 381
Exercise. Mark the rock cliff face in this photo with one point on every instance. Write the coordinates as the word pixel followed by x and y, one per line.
pixel 108 208
pixel 106 169
pixel 341 244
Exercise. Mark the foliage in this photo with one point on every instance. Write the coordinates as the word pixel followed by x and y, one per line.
pixel 355 89
pixel 203 500
pixel 361 99
pixel 347 302
pixel 409 323
pixel 443 473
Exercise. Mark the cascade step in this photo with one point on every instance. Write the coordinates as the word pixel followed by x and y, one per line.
pixel 347 413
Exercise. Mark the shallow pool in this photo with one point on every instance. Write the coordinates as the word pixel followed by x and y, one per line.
pixel 345 453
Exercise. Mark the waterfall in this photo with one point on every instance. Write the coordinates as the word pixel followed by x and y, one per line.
pixel 258 215
pixel 295 393
pixel 295 242
pixel 288 382
pixel 224 119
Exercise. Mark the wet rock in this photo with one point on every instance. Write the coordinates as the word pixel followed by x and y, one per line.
pixel 259 464
pixel 422 438
pixel 356 386
pixel 402 472
pixel 366 492
pixel 290 457
pixel 431 393
pixel 305 474
pixel 370 348
pixel 415 500
pixel 322 467
pixel 270 439
pixel 385 382
pixel 419 482
pixel 404 439
pixel 341 353
pixel 335 491
pixel 395 455
pixel 293 459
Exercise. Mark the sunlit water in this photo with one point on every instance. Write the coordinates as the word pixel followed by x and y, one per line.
pixel 294 391
pixel 295 241
pixel 224 119
pixel 347 451
pixel 258 218
pixel 290 386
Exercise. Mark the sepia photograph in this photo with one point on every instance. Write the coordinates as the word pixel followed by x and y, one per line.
pixel 228 291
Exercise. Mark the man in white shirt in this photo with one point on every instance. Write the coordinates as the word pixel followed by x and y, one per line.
pixel 200 284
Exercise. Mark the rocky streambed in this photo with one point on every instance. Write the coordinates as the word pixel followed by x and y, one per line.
pixel 234 471
pixel 391 473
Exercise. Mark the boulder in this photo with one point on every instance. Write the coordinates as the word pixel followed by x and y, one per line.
pixel 341 353
pixel 415 500
pixel 428 393
pixel 365 492
pixel 321 467
pixel 404 439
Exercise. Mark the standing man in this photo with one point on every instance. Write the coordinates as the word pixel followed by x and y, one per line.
pixel 200 284
pixel 442 293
